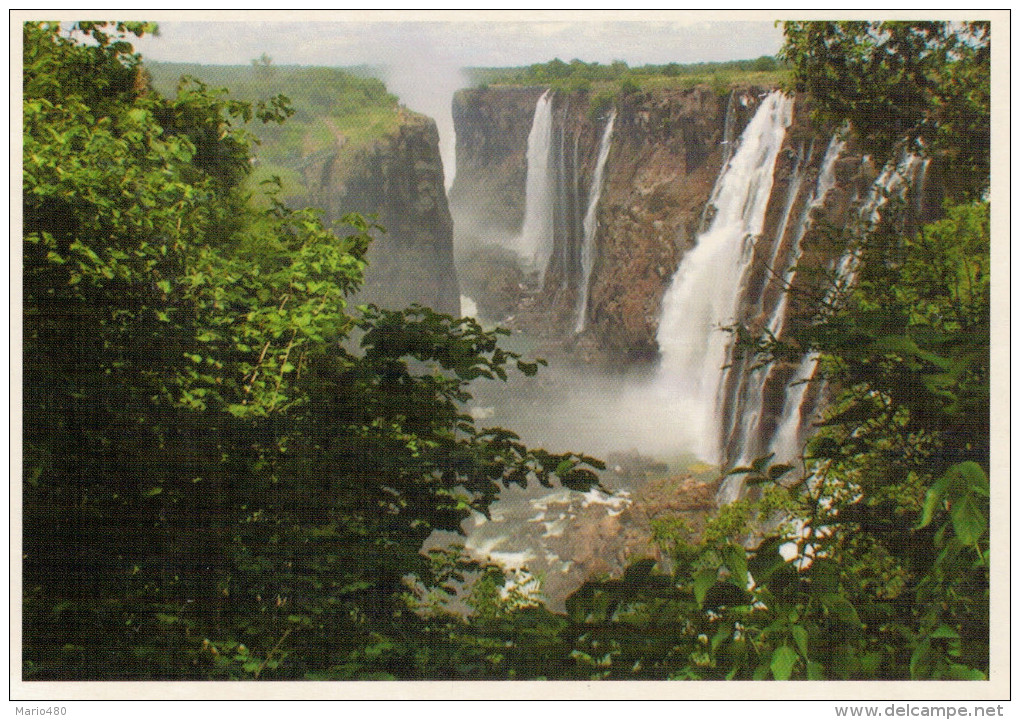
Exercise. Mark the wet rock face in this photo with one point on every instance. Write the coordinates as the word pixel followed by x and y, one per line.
pixel 398 179
pixel 492 125
pixel 662 167
pixel 563 538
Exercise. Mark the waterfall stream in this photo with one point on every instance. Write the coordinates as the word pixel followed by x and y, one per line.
pixel 535 242
pixel 748 438
pixel 590 224
pixel 708 287
pixel 789 436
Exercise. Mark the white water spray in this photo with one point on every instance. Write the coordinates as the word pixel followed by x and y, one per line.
pixel 535 243
pixel 789 436
pixel 590 224
pixel 707 289
pixel 468 307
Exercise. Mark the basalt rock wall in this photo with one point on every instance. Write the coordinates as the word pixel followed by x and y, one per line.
pixel 398 179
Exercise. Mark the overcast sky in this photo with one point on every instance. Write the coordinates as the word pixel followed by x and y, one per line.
pixel 468 39
pixel 423 52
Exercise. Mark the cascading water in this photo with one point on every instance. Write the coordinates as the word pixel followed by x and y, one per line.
pixel 707 288
pixel 748 439
pixel 789 436
pixel 826 181
pixel 590 224
pixel 744 403
pixel 728 146
pixel 535 242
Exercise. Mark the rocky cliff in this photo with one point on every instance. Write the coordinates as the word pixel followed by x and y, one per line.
pixel 492 126
pixel 398 179
pixel 668 150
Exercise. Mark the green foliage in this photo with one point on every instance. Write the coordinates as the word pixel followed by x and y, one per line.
pixel 219 482
pixel 333 109
pixel 924 82
pixel 579 75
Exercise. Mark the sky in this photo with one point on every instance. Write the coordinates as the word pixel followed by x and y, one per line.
pixel 423 52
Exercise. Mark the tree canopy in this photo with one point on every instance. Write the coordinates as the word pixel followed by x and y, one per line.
pixel 218 480
pixel 927 84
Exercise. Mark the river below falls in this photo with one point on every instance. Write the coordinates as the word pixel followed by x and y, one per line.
pixel 550 540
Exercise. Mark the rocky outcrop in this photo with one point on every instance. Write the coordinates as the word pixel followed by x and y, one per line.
pixel 564 537
pixel 492 125
pixel 398 179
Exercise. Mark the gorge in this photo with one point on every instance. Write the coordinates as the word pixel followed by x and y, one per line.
pixel 623 237
pixel 698 215
pixel 706 392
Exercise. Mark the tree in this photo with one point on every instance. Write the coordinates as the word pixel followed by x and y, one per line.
pixel 923 83
pixel 217 481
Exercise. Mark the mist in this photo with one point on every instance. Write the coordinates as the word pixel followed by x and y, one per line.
pixel 574 407
pixel 425 82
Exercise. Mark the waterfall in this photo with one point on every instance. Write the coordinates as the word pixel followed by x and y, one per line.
pixel 894 179
pixel 748 441
pixel 535 243
pixel 707 288
pixel 826 181
pixel 745 402
pixel 788 438
pixel 789 435
pixel 727 150
pixel 590 224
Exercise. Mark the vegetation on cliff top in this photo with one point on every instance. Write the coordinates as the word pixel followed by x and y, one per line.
pixel 579 75
pixel 334 110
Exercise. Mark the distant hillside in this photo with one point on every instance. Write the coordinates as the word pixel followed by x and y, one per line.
pixel 334 108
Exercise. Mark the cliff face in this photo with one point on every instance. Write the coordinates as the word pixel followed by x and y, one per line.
pixel 666 152
pixel 398 179
pixel 492 127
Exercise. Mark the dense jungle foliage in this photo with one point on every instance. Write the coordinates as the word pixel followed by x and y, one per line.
pixel 217 485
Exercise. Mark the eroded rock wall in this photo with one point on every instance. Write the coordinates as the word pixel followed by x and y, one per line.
pixel 399 180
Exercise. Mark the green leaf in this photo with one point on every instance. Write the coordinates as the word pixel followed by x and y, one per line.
pixel 969 521
pixel 800 637
pixel 815 670
pixel 841 607
pixel 944 631
pixel 721 634
pixel 703 580
pixel 962 672
pixel 783 660
pixel 735 558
